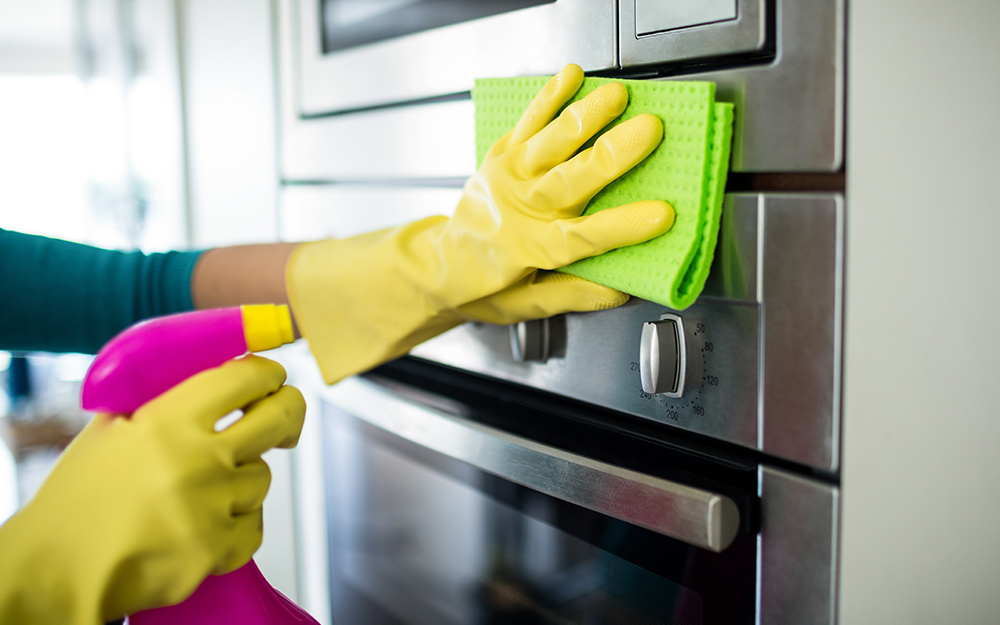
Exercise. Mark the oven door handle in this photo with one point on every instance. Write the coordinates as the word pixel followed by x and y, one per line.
pixel 692 515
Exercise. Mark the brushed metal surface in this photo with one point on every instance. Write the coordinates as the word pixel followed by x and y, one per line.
pixel 802 269
pixel 798 550
pixel 409 142
pixel 536 40
pixel 658 32
pixel 693 515
pixel 789 113
pixel 652 16
pixel 734 268
pixel 310 212
pixel 597 361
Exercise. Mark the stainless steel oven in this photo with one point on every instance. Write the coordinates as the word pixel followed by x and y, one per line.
pixel 527 474
pixel 362 53
pixel 459 500
pixel 480 500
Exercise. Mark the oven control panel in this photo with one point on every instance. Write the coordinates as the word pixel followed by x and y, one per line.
pixel 696 369
pixel 753 362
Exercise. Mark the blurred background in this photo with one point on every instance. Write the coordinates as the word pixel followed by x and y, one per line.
pixel 119 120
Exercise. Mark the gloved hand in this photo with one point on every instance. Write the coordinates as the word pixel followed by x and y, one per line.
pixel 138 511
pixel 365 300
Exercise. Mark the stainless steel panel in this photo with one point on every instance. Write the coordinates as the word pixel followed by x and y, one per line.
pixel 802 275
pixel 405 143
pixel 310 212
pixel 595 358
pixel 798 550
pixel 653 16
pixel 734 268
pixel 790 112
pixel 537 40
pixel 654 32
pixel 410 142
pixel 692 515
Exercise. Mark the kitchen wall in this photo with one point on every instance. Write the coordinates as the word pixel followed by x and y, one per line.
pixel 35 37
pixel 921 469
pixel 228 65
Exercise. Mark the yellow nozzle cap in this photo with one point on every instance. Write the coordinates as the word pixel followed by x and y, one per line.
pixel 266 326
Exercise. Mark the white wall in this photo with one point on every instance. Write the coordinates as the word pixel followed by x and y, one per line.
pixel 36 37
pixel 921 466
pixel 228 64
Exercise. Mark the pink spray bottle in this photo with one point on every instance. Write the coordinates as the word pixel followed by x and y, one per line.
pixel 153 356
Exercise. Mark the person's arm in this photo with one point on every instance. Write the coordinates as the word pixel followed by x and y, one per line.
pixel 60 296
pixel 242 274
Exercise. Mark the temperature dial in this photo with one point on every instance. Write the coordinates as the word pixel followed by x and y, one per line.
pixel 529 341
pixel 663 356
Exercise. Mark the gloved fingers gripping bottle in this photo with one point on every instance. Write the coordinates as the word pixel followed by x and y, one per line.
pixel 152 357
pixel 142 507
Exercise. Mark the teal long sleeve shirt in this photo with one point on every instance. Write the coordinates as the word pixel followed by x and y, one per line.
pixel 58 296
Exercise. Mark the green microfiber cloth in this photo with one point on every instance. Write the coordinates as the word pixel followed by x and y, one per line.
pixel 688 170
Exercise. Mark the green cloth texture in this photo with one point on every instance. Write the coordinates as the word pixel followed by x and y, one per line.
pixel 688 170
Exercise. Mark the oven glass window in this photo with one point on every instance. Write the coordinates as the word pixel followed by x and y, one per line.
pixel 351 23
pixel 420 539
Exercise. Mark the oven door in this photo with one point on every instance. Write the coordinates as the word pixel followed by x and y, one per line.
pixel 439 513
pixel 355 54
pixel 399 108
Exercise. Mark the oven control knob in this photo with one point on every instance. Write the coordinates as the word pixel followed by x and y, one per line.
pixel 529 341
pixel 663 357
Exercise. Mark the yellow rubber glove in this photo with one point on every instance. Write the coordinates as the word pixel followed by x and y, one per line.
pixel 138 511
pixel 365 300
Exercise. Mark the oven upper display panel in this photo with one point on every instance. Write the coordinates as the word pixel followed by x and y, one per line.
pixel 352 23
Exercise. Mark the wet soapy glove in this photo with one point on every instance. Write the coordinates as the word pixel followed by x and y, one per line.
pixel 365 300
pixel 138 511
